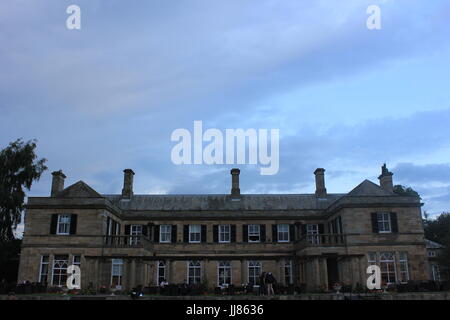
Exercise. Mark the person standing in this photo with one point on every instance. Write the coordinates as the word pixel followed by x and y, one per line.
pixel 270 280
pixel 262 283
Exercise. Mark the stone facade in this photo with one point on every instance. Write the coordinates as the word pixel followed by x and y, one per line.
pixel 307 240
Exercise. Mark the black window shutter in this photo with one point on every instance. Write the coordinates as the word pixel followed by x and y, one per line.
pixel 203 233
pixel 53 223
pixel 144 231
pixel 292 233
pixel 374 222
pixel 394 222
pixel 156 233
pixel 174 233
pixel 215 233
pixel 127 229
pixel 73 224
pixel 233 233
pixel 186 234
pixel 245 233
pixel 263 232
pixel 304 230
pixel 340 224
pixel 321 228
pixel 274 233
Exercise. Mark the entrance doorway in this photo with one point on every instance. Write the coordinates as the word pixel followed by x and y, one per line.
pixel 332 271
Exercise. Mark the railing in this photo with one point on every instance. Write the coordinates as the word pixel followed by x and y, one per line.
pixel 126 241
pixel 329 240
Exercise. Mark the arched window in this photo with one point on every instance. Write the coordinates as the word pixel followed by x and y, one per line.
pixel 194 272
pixel 254 271
pixel 162 272
pixel 224 273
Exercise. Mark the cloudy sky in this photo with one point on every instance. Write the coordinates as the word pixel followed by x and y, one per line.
pixel 107 97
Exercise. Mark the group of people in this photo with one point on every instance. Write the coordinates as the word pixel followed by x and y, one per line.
pixel 266 283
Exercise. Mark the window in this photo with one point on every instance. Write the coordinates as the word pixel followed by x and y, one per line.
pixel 116 273
pixel 313 233
pixel 254 271
pixel 76 261
pixel 254 233
pixel 372 258
pixel 135 232
pixel 288 272
pixel 194 272
pixel 43 271
pixel 431 253
pixel 435 272
pixel 224 233
pixel 63 227
pixel 162 272
pixel 384 222
pixel 195 233
pixel 404 269
pixel 283 233
pixel 165 233
pixel 60 264
pixel 387 266
pixel 224 273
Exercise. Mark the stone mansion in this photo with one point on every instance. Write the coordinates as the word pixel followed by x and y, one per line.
pixel 314 240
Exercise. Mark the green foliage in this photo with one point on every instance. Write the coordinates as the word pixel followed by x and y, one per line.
pixel 405 191
pixel 444 258
pixel 19 168
pixel 438 230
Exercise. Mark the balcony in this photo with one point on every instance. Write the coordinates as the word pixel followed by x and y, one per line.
pixel 126 242
pixel 322 240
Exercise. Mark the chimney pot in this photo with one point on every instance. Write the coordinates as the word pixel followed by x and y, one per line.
pixel 321 191
pixel 127 191
pixel 386 182
pixel 57 182
pixel 235 190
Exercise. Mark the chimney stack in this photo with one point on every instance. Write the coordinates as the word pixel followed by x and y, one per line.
pixel 235 191
pixel 386 179
pixel 321 191
pixel 127 191
pixel 57 182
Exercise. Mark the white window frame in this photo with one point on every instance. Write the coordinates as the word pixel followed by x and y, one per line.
pixel 193 232
pixel 226 267
pixel 404 266
pixel 76 263
pixel 287 265
pixel 61 274
pixel 167 233
pixel 223 233
pixel 161 265
pixel 135 233
pixel 383 221
pixel 280 232
pixel 44 263
pixel 254 265
pixel 435 272
pixel 63 224
pixel 194 265
pixel 389 271
pixel 119 275
pixel 312 231
pixel 254 233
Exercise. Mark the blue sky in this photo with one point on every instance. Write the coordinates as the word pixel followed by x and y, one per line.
pixel 108 96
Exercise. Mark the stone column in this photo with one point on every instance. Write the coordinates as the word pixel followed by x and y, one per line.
pixel 133 273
